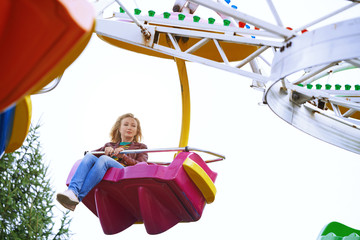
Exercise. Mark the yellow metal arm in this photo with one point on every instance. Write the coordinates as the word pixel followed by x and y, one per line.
pixel 185 94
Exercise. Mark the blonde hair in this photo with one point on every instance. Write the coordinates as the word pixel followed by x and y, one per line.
pixel 115 134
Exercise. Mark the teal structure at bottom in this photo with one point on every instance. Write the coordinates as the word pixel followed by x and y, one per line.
pixel 338 231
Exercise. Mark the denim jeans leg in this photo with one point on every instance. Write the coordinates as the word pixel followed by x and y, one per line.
pixel 96 174
pixel 82 171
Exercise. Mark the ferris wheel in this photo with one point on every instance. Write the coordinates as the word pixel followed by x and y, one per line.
pixel 297 89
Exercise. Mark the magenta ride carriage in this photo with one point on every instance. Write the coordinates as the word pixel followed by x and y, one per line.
pixel 159 195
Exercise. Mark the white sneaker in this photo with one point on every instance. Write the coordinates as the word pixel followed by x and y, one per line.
pixel 70 207
pixel 68 199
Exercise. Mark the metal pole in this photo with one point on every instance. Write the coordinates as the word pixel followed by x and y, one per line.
pixel 184 149
pixel 325 17
pixel 145 150
pixel 252 56
pixel 275 13
pixel 144 31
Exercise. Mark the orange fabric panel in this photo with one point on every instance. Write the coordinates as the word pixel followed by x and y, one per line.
pixel 4 14
pixel 39 41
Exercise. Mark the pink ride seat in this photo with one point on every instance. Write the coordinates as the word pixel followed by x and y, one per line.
pixel 159 196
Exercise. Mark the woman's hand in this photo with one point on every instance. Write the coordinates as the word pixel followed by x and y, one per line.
pixel 109 151
pixel 117 152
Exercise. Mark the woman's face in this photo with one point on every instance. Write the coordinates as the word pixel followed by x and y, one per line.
pixel 128 129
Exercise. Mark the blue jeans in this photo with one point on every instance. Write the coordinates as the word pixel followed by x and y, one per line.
pixel 90 172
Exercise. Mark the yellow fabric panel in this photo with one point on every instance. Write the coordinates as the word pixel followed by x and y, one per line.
pixel 21 124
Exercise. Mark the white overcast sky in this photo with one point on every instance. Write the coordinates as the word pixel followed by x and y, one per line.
pixel 276 182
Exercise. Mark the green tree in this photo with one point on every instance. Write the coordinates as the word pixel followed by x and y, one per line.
pixel 26 196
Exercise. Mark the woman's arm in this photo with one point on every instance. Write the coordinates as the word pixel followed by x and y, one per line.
pixel 132 159
pixel 108 148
